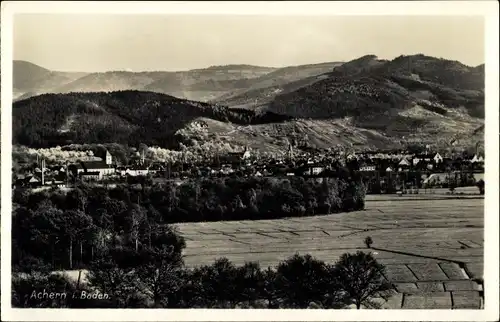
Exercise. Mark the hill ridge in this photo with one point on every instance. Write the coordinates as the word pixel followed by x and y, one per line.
pixel 365 102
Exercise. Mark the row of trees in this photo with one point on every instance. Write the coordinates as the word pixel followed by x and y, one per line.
pixel 158 279
pixel 392 182
pixel 68 230
pixel 134 257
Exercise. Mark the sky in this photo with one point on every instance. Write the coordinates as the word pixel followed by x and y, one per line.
pixel 96 43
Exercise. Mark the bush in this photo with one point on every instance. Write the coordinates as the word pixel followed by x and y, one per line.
pixel 480 186
pixel 368 242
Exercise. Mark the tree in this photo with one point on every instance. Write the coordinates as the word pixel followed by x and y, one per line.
pixel 153 217
pixel 38 232
pixel 480 186
pixel 28 290
pixel 109 278
pixel 361 278
pixel 451 186
pixel 303 279
pixel 76 224
pixel 103 228
pixel 77 199
pixel 218 284
pixel 135 217
pixel 368 242
pixel 269 287
pixel 116 209
pixel 250 281
pixel 160 276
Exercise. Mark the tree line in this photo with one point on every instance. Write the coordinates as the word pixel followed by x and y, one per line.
pixel 158 279
pixel 68 230
pixel 124 238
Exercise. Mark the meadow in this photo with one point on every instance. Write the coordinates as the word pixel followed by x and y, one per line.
pixel 432 249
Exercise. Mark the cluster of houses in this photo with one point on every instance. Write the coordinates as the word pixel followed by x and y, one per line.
pixel 87 171
pixel 246 164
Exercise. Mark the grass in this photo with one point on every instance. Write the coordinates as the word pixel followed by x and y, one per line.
pixel 408 236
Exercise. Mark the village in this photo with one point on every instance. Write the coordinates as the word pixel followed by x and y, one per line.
pixel 382 171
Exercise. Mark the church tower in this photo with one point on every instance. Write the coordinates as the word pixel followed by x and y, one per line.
pixel 109 158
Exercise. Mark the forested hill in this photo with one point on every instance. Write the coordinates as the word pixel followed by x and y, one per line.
pixel 367 103
pixel 128 117
pixel 368 87
pixel 417 96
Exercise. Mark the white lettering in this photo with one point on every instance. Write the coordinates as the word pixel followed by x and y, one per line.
pixel 47 295
pixel 93 296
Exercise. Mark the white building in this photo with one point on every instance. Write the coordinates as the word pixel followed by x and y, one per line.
pixel 438 158
pixel 404 162
pixel 136 172
pixel 477 159
pixel 98 169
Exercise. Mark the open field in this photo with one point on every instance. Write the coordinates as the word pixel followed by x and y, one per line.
pixel 432 250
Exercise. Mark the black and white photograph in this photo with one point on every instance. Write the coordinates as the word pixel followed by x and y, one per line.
pixel 242 158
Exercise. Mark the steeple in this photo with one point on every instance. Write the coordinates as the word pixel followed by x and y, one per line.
pixel 109 158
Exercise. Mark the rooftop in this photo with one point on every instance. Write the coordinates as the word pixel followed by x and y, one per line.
pixel 93 165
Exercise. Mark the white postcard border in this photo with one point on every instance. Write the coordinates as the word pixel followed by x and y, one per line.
pixel 488 9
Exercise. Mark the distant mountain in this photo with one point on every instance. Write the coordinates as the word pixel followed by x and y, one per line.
pixel 408 96
pixel 209 83
pixel 196 84
pixel 358 66
pixel 31 78
pixel 363 103
pixel 111 81
pixel 263 89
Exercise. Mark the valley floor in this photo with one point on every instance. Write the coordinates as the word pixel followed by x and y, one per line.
pixel 432 246
pixel 432 249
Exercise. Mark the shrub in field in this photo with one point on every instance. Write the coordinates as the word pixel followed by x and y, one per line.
pixel 361 278
pixel 368 242
pixel 452 186
pixel 480 186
